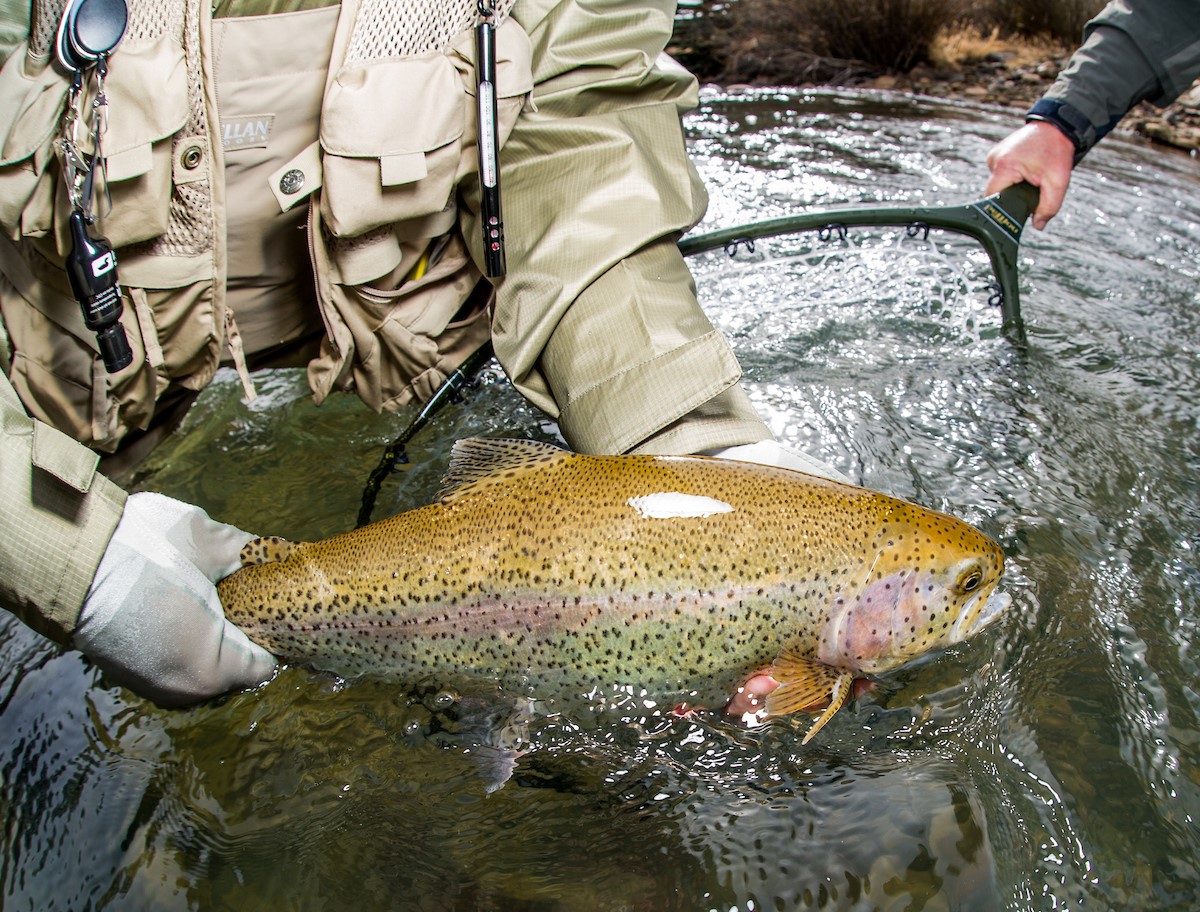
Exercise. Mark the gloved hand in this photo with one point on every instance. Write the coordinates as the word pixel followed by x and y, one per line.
pixel 152 619
pixel 773 453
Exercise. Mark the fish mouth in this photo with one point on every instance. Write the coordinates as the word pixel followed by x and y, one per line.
pixel 973 620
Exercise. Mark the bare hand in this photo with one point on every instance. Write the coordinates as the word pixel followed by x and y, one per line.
pixel 1041 154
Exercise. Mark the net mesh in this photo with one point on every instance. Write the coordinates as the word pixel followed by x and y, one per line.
pixel 907 282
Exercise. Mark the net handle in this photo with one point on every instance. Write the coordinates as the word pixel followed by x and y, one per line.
pixel 995 221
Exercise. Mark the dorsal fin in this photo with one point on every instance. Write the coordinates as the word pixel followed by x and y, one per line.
pixel 477 462
pixel 265 550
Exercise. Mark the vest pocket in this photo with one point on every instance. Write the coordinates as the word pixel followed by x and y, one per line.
pixel 136 143
pixel 390 132
pixel 61 380
pixel 56 369
pixel 396 337
pixel 32 98
pixel 397 134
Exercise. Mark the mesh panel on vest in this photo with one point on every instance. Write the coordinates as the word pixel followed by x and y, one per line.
pixel 359 241
pixel 43 26
pixel 190 223
pixel 387 29
pixel 148 21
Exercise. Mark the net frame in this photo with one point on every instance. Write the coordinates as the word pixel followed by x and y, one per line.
pixel 807 279
pixel 995 222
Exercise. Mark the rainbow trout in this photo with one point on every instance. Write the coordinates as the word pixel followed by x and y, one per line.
pixel 571 575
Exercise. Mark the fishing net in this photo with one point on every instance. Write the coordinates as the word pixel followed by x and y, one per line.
pixel 953 268
pixel 781 286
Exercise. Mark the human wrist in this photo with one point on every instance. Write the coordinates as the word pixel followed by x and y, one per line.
pixel 96 526
pixel 773 453
pixel 1068 120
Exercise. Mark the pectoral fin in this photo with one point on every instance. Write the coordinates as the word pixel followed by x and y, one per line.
pixel 804 686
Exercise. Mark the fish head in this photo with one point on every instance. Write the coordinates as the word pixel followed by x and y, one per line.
pixel 928 582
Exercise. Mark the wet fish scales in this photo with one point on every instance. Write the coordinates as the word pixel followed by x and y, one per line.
pixel 572 574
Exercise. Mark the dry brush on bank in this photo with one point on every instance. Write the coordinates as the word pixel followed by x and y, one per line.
pixel 1004 52
pixel 792 41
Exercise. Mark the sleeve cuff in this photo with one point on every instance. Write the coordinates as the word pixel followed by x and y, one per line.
pixel 1070 122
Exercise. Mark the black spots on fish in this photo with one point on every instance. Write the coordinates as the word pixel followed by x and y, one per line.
pixel 742 567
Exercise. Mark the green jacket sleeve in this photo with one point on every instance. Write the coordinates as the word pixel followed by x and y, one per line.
pixel 1131 53
pixel 57 514
pixel 597 321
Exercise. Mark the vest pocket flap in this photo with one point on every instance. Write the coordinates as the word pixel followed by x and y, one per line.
pixel 402 169
pixel 148 103
pixel 392 134
pixel 32 100
pixel 138 117
pixel 390 108
pixel 130 163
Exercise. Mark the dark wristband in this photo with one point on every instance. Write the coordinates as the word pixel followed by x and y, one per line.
pixel 1069 121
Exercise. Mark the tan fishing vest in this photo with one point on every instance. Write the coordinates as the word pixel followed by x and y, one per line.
pixel 246 158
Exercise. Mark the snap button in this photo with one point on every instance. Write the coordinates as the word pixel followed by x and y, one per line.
pixel 291 181
pixel 191 158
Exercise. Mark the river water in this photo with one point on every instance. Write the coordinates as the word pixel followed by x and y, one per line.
pixel 1050 763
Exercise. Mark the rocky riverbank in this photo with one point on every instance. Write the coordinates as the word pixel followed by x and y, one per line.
pixel 1012 78
pixel 964 64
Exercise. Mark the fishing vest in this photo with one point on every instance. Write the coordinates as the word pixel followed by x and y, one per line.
pixel 271 177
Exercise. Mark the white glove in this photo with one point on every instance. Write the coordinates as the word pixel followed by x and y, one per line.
pixel 152 619
pixel 773 453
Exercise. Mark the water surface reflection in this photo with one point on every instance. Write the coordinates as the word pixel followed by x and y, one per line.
pixel 1051 763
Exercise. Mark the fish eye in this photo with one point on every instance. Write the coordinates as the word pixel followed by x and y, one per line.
pixel 970 579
